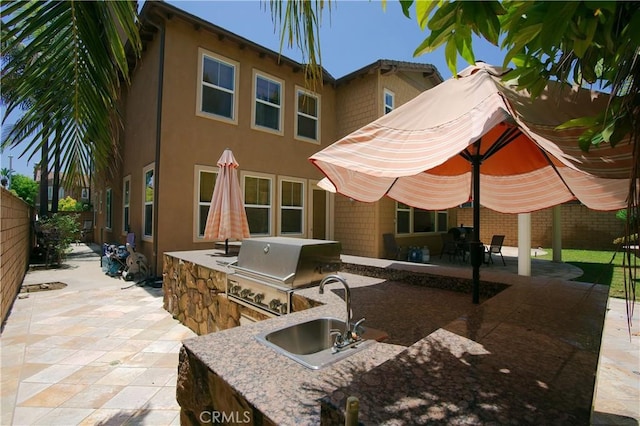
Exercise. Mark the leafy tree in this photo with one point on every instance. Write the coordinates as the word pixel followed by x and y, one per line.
pixel 25 188
pixel 63 62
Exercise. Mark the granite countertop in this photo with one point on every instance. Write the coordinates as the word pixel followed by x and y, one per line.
pixel 525 356
pixel 282 389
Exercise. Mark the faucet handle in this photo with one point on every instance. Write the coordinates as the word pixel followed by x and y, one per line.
pixel 339 340
pixel 357 330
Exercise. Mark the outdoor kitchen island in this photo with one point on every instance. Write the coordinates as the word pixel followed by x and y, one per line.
pixel 528 355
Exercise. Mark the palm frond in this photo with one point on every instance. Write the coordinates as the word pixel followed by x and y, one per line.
pixel 66 61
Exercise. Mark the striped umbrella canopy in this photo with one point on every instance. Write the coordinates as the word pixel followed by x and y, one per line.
pixel 227 218
pixel 477 138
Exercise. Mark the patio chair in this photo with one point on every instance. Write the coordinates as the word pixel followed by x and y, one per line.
pixel 451 246
pixel 86 233
pixel 495 248
pixel 391 248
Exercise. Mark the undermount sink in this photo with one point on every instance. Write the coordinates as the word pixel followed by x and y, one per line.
pixel 311 344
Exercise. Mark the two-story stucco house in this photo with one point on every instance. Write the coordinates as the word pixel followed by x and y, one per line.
pixel 199 89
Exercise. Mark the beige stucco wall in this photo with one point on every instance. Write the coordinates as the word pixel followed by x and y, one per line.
pixel 15 246
pixel 189 140
pixel 360 226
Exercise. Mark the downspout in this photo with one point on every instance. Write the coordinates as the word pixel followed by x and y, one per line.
pixel 156 172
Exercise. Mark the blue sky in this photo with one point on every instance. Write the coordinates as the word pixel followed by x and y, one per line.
pixel 354 34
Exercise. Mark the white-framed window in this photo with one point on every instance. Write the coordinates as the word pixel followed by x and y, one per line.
pixel 205 180
pixel 258 202
pixel 307 123
pixel 268 94
pixel 148 191
pixel 410 220
pixel 217 91
pixel 389 101
pixel 50 193
pixel 108 220
pixel 292 196
pixel 126 203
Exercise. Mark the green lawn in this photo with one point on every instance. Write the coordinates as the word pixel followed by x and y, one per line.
pixel 598 267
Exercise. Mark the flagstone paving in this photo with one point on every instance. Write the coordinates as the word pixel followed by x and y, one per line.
pixel 104 351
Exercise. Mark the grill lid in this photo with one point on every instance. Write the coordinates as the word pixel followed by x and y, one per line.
pixel 291 261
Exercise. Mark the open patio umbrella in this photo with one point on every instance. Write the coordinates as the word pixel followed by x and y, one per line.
pixel 478 138
pixel 227 217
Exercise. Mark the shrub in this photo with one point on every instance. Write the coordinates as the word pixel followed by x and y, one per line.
pixel 69 204
pixel 59 232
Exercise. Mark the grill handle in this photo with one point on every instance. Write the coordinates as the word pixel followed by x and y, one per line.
pixel 286 279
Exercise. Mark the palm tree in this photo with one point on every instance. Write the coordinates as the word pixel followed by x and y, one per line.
pixel 5 175
pixel 63 64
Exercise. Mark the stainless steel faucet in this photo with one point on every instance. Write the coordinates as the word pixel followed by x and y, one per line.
pixel 349 335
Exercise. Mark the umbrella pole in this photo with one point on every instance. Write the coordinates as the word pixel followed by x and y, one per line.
pixel 226 246
pixel 477 249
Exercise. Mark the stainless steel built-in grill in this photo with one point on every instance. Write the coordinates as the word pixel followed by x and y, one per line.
pixel 269 269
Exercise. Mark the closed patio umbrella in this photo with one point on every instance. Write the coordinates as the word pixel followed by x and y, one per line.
pixel 227 217
pixel 478 138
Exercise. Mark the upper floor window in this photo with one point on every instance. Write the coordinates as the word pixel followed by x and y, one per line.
pixel 389 101
pixel 50 193
pixel 267 108
pixel 307 115
pixel 109 204
pixel 257 204
pixel 205 182
pixel 148 192
pixel 410 220
pixel 126 203
pixel 217 97
pixel 291 207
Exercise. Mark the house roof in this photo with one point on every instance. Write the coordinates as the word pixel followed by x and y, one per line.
pixel 388 66
pixel 167 11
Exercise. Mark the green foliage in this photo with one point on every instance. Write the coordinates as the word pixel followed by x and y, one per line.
pixel 69 204
pixel 598 266
pixel 60 231
pixel 6 172
pixel 25 188
pixel 582 42
pixel 625 214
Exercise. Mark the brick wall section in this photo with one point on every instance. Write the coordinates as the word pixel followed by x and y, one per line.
pixel 582 228
pixel 15 229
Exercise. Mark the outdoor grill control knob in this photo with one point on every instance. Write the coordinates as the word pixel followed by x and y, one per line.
pixel 274 304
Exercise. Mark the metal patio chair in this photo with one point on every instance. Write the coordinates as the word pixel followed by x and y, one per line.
pixel 495 248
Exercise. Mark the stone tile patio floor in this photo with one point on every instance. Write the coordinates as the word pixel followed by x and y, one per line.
pixel 97 353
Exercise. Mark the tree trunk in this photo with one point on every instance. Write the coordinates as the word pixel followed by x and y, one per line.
pixel 44 177
pixel 55 198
